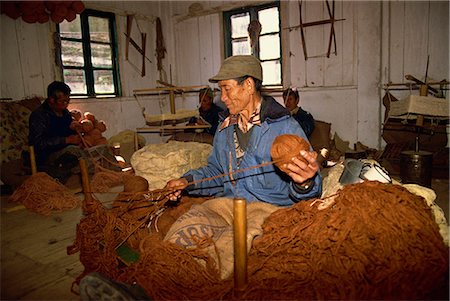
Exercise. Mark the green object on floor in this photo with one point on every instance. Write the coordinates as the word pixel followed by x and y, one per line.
pixel 127 254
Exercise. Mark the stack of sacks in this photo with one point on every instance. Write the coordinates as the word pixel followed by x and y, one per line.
pixel 89 127
pixel 159 163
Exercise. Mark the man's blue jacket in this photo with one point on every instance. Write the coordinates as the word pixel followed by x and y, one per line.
pixel 268 183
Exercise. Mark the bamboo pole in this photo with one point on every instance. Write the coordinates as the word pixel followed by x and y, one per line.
pixel 33 160
pixel 240 245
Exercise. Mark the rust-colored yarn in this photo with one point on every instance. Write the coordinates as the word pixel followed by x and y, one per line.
pixel 134 183
pixel 42 194
pixel 104 179
pixel 287 146
pixel 370 241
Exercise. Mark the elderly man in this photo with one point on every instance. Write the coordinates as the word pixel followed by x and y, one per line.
pixel 244 138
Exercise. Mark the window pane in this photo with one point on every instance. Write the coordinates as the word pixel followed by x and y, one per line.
pixel 271 72
pixel 70 29
pixel 72 53
pixel 269 20
pixel 76 81
pixel 241 47
pixel 101 55
pixel 239 24
pixel 103 81
pixel 269 47
pixel 99 29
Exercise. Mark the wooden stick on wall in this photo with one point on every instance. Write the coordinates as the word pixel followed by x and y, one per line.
pixel 240 246
pixel 128 35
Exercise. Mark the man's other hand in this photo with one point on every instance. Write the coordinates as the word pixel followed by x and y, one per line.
pixel 176 186
pixel 301 171
pixel 73 139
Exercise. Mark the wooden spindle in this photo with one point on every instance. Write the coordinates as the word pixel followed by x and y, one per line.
pixel 240 246
pixel 89 201
pixel 136 141
pixel 33 160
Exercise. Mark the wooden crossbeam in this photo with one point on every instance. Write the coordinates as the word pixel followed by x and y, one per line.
pixel 331 20
pixel 129 40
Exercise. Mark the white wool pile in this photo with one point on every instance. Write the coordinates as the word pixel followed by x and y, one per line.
pixel 159 163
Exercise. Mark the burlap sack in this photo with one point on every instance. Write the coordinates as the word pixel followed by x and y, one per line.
pixel 210 226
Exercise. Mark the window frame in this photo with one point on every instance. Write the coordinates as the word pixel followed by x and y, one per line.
pixel 88 67
pixel 253 11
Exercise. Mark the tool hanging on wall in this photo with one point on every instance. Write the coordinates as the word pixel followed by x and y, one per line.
pixel 160 49
pixel 254 30
pixel 129 40
pixel 331 20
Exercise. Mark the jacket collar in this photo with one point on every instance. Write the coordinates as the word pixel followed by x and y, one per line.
pixel 270 110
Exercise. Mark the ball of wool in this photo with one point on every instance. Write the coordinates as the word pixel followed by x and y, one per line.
pixel 95 133
pixel 287 146
pixel 135 184
pixel 101 125
pixel 87 125
pixel 76 126
pixel 77 6
pixel 76 114
pixel 101 141
pixel 90 116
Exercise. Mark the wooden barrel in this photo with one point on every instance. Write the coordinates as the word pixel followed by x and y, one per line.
pixel 416 167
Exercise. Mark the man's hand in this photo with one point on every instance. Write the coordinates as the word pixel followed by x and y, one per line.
pixel 176 186
pixel 73 139
pixel 301 171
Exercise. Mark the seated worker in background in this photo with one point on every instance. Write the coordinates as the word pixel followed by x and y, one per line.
pixel 208 110
pixel 244 139
pixel 57 146
pixel 305 119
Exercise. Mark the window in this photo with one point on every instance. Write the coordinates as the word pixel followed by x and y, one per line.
pixel 268 49
pixel 89 54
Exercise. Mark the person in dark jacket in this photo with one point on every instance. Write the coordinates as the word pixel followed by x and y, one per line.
pixel 244 139
pixel 208 110
pixel 305 119
pixel 50 124
pixel 57 146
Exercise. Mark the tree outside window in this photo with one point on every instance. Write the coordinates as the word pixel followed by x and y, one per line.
pixel 267 48
pixel 89 54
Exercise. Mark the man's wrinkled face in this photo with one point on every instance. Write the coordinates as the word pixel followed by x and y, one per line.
pixel 60 102
pixel 235 96
pixel 290 102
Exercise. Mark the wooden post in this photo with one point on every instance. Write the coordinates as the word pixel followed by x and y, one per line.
pixel 240 245
pixel 136 141
pixel 89 202
pixel 172 101
pixel 33 160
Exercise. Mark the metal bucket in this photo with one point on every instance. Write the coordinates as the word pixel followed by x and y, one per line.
pixel 416 167
pixel 352 170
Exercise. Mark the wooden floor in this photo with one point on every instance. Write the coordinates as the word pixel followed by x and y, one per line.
pixel 34 263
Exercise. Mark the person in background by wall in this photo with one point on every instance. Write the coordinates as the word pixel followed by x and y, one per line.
pixel 208 110
pixel 291 99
